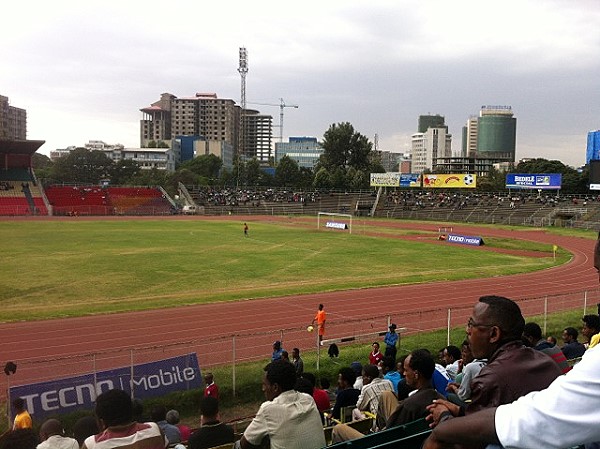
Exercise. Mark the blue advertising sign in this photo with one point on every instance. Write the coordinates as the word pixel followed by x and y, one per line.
pixel 547 181
pixel 464 239
pixel 75 393
pixel 410 180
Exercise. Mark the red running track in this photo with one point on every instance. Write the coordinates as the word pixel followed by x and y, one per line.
pixel 23 341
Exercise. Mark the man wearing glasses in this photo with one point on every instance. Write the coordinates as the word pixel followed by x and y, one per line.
pixel 494 332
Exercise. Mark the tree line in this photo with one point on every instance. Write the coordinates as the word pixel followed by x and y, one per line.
pixel 346 163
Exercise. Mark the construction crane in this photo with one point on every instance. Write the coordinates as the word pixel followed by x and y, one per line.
pixel 282 104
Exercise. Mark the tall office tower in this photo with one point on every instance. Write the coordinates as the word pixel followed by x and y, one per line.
pixel 496 133
pixel 155 124
pixel 469 138
pixel 592 152
pixel 431 121
pixel 13 121
pixel 258 135
pixel 427 147
pixel 306 151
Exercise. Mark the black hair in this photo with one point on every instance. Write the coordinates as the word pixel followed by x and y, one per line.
pixel 303 385
pixel 422 361
pixel 282 373
pixel 325 384
pixel 592 321
pixel 158 413
pixel 209 406
pixel 18 403
pixel 454 352
pixel 311 378
pixel 348 375
pixel 85 427
pixel 371 370
pixel 572 332
pixel 532 330
pixel 506 314
pixel 389 363
pixel 19 439
pixel 114 407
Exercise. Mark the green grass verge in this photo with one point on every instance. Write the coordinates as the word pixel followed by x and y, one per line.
pixel 69 268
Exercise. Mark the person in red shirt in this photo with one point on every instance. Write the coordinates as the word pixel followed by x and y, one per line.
pixel 211 388
pixel 375 356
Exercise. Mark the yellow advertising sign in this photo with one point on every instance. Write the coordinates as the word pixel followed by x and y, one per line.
pixel 452 181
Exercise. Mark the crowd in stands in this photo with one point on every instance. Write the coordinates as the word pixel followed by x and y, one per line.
pixel 503 359
pixel 249 197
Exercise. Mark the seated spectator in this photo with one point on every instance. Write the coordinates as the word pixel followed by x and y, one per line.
pixel 19 439
pixel 591 329
pixel 53 436
pixel 451 355
pixel 173 418
pixel 552 340
pixel 459 392
pixel 158 414
pixel 117 428
pixel 403 389
pixel 320 396
pixel 572 348
pixel 373 386
pixel 84 427
pixel 138 411
pixel 357 368
pixel 388 368
pixel 331 392
pixel 289 419
pixel 212 431
pixel 347 395
pixel 532 333
pixel 440 379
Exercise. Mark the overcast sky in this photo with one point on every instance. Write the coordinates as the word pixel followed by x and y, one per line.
pixel 83 69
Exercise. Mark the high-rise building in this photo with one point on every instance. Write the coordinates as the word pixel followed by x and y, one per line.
pixel 469 138
pixel 306 151
pixel 592 152
pixel 13 121
pixel 496 133
pixel 207 116
pixel 430 144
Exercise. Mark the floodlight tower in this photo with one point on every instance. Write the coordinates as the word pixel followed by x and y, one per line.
pixel 243 71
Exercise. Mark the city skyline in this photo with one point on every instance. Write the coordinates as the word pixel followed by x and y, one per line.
pixel 83 71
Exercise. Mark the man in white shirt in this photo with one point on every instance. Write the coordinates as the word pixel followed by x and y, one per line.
pixel 563 415
pixel 52 436
pixel 290 419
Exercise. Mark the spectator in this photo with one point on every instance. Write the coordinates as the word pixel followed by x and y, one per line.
pixel 532 333
pixel 451 356
pixel 159 416
pixel 84 427
pixel 138 411
pixel 117 428
pixel 297 362
pixel 320 396
pixel 572 348
pixel 173 419
pixel 494 332
pixel 375 356
pixel 388 368
pixel 22 417
pixel 331 391
pixel 373 386
pixel 211 389
pixel 52 435
pixel 552 340
pixel 19 439
pixel 459 392
pixel 212 431
pixel 591 329
pixel 347 395
pixel 289 419
pixel 357 368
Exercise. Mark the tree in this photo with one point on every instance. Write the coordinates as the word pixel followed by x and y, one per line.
pixel 83 166
pixel 287 172
pixel 322 179
pixel 124 171
pixel 252 172
pixel 495 181
pixel 343 147
pixel 206 165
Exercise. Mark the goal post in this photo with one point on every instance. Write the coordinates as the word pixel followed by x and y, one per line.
pixel 334 221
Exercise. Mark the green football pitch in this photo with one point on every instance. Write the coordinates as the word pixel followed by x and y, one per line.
pixel 72 268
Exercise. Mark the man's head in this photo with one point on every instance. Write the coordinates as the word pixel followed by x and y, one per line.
pixel 388 364
pixel 208 378
pixel 173 417
pixel 311 378
pixel 285 356
pixel 532 332
pixel 209 408
pixel 276 345
pixel 113 408
pixel 346 378
pixel 296 353
pixel 51 427
pixel 393 327
pixel 375 347
pixel 158 413
pixel 495 320
pixel 369 373
pixel 279 376
pixel 320 306
pixel 451 354
pixel 570 334
pixel 465 352
pixel 18 405
pixel 591 325
pixel 418 368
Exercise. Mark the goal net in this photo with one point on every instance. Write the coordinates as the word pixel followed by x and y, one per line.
pixel 331 221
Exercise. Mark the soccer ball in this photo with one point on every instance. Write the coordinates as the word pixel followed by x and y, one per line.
pixel 310 328
pixel 468 180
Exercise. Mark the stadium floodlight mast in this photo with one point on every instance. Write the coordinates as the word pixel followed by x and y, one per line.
pixel 346 217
